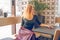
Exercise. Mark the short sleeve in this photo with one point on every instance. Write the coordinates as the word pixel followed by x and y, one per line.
pixel 37 20
pixel 22 23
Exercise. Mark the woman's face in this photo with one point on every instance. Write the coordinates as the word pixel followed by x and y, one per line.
pixel 33 11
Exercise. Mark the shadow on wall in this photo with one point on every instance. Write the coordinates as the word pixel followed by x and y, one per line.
pixel 41 18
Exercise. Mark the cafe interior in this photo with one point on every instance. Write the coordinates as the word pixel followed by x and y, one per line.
pixel 12 10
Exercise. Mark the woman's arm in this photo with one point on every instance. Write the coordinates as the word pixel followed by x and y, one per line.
pixel 42 25
pixel 45 25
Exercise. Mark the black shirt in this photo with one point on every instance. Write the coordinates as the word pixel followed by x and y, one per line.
pixel 29 24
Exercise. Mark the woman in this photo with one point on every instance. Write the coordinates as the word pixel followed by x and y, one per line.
pixel 29 20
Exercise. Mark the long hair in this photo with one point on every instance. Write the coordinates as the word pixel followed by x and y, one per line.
pixel 28 11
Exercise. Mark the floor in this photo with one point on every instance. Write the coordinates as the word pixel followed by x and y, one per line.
pixel 6 38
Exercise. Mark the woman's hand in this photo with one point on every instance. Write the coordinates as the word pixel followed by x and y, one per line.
pixel 50 27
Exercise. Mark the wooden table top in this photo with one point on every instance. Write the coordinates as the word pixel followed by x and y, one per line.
pixel 46 30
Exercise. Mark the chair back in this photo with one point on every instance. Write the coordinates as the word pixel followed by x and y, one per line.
pixel 56 35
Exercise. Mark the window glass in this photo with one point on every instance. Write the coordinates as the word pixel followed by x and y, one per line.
pixel 5 7
pixel 5 11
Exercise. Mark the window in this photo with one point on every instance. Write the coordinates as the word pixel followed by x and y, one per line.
pixel 48 3
pixel 44 13
pixel 5 6
pixel 40 0
pixel 25 2
pixel 52 17
pixel 53 3
pixel 52 8
pixel 48 13
pixel 22 3
pixel 48 8
pixel 47 17
pixel 52 13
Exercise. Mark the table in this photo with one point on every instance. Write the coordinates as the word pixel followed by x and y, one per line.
pixel 46 30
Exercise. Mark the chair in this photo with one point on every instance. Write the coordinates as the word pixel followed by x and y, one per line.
pixel 56 35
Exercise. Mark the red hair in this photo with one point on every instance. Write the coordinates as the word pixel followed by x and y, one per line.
pixel 29 8
pixel 28 11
